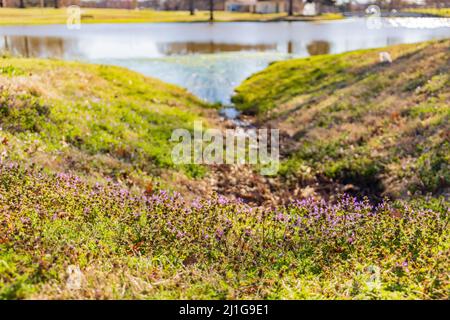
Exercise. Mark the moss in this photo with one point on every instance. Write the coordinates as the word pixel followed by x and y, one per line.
pixel 281 81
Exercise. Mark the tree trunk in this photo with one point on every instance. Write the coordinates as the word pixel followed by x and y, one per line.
pixel 291 7
pixel 211 10
pixel 56 4
pixel 192 7
pixel 22 4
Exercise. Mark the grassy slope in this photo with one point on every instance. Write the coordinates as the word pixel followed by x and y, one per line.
pixel 97 121
pixel 31 16
pixel 353 119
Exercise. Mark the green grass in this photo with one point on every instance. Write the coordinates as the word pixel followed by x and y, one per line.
pixel 67 128
pixel 98 121
pixel 36 16
pixel 440 12
pixel 380 127
pixel 158 246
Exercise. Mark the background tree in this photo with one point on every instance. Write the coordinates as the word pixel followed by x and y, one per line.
pixel 211 10
pixel 291 8
pixel 328 2
pixel 438 3
pixel 192 7
pixel 320 3
pixel 395 4
pixel 22 4
pixel 56 4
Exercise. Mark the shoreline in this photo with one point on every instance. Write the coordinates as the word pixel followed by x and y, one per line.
pixel 50 16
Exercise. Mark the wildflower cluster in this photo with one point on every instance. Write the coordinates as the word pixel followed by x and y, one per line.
pixel 49 222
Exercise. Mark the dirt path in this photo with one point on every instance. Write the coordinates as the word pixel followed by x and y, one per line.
pixel 245 181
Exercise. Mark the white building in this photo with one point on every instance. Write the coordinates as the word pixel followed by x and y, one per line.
pixel 309 9
pixel 269 6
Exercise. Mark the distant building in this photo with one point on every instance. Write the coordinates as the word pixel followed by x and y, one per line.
pixel 255 6
pixel 310 9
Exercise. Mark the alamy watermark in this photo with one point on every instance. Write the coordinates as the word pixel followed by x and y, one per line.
pixel 73 21
pixel 233 146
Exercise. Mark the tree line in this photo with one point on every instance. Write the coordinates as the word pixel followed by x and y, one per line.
pixel 191 4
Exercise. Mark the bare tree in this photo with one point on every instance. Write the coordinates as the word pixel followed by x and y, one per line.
pixel 211 10
pixel 395 4
pixel 192 7
pixel 438 3
pixel 320 3
pixel 291 7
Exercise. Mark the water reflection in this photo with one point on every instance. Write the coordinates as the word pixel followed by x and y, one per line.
pixel 25 46
pixel 318 47
pixel 184 48
pixel 59 47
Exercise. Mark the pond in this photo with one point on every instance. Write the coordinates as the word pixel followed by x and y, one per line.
pixel 209 60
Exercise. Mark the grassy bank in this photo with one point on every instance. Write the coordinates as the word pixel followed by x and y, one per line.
pixel 440 12
pixel 63 238
pixel 375 127
pixel 97 121
pixel 37 16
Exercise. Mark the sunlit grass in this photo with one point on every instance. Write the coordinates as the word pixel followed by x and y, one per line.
pixel 441 12
pixel 31 16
